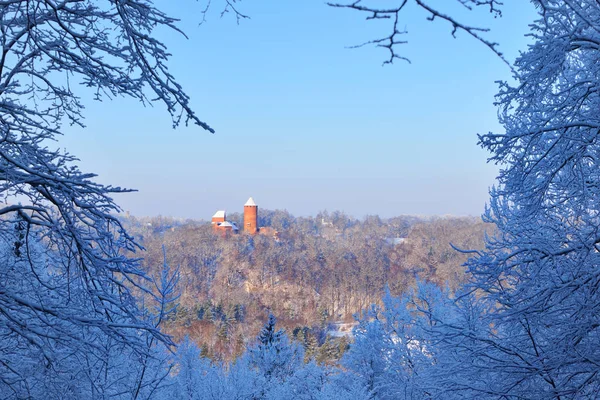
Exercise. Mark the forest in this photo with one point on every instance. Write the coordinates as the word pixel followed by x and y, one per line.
pixel 94 305
pixel 317 271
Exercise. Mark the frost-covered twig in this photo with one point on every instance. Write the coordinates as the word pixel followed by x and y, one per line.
pixel 391 41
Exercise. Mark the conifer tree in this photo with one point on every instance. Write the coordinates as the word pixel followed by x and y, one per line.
pixel 274 356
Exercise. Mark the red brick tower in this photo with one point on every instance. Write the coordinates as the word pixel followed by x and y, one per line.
pixel 250 217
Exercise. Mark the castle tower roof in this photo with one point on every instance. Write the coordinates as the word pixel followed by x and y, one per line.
pixel 219 214
pixel 250 202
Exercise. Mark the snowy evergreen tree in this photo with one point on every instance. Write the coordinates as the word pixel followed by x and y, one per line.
pixel 274 356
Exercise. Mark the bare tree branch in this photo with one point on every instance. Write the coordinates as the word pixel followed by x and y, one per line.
pixel 392 41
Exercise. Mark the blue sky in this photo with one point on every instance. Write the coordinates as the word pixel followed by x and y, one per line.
pixel 304 123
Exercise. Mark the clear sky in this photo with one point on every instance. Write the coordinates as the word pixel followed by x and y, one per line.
pixel 304 123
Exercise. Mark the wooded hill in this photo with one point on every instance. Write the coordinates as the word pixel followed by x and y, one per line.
pixel 314 273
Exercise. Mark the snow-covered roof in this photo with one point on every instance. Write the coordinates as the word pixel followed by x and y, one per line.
pixel 228 224
pixel 250 202
pixel 219 214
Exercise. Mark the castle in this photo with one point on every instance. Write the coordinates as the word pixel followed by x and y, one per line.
pixel 220 223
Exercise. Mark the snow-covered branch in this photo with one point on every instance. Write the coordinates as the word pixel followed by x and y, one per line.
pixel 392 40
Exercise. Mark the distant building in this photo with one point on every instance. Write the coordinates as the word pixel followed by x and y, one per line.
pixel 218 219
pixel 250 217
pixel 228 227
pixel 220 224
